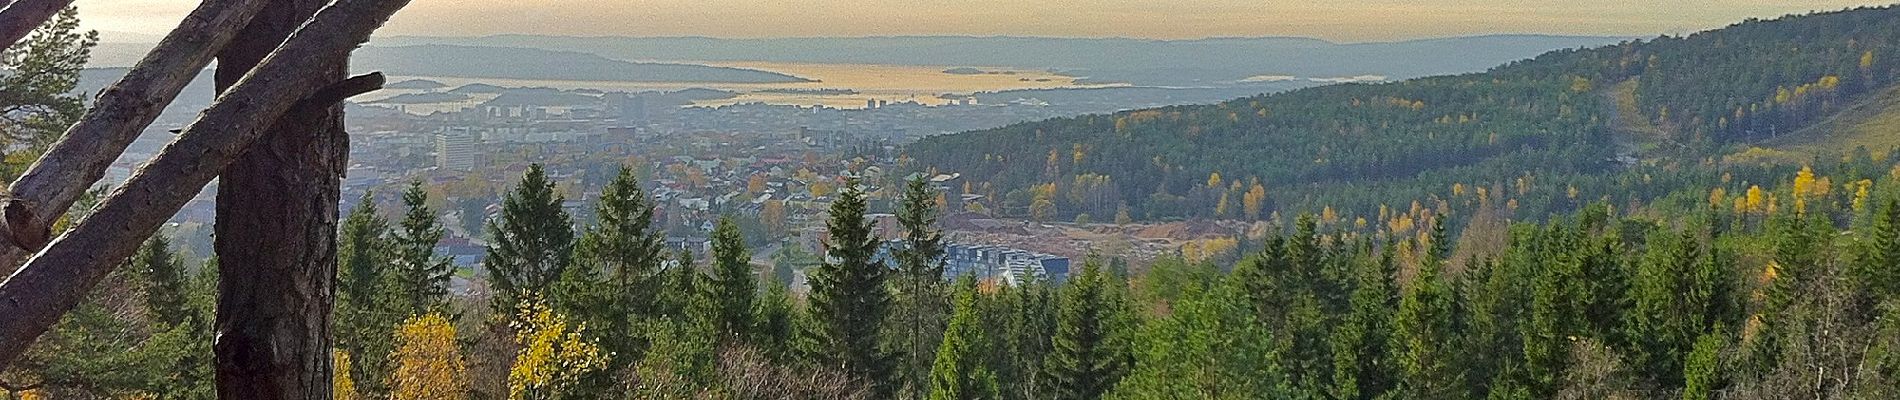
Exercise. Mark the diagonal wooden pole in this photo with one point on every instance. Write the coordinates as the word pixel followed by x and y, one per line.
pixel 54 281
pixel 81 157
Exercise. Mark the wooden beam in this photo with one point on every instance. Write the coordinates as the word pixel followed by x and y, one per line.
pixel 21 17
pixel 81 157
pixel 55 280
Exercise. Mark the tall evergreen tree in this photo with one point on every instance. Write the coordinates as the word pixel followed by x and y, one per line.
pixel 1362 364
pixel 734 286
pixel 420 277
pixel 1703 370
pixel 1208 347
pixel 776 331
pixel 530 243
pixel 919 322
pixel 364 312
pixel 850 298
pixel 1422 331
pixel 1558 303
pixel 623 245
pixel 961 370
pixel 1090 353
pixel 165 294
pixel 1878 270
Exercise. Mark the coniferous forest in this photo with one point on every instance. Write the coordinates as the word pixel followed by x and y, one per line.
pixel 1565 227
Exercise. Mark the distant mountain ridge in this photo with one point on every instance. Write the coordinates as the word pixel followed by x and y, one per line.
pixel 524 63
pixel 1195 62
pixel 504 63
pixel 1631 121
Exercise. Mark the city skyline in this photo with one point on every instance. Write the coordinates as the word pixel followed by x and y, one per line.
pixel 1362 21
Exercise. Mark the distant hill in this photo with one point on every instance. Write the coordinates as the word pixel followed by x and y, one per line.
pixel 478 88
pixel 1626 122
pixel 423 84
pixel 1137 61
pixel 520 63
pixel 424 98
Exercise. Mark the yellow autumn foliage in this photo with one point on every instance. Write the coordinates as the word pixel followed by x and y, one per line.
pixel 553 355
pixel 428 364
pixel 342 386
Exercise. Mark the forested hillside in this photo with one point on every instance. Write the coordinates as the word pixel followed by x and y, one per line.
pixel 1630 121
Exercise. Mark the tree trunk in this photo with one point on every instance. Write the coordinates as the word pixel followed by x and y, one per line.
pixel 82 155
pixel 276 234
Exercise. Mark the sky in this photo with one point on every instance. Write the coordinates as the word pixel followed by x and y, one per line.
pixel 1338 20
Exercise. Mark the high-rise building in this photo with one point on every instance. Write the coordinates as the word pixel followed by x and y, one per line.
pixel 455 149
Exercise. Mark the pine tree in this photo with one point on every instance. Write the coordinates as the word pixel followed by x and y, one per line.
pixel 961 369
pixel 1090 352
pixel 42 71
pixel 849 296
pixel 734 286
pixel 530 243
pixel 420 277
pixel 920 299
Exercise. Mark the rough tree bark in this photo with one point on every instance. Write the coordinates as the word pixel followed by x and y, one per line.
pixel 122 111
pixel 57 278
pixel 19 18
pixel 276 234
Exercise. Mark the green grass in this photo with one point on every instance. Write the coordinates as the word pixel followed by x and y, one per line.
pixel 1873 123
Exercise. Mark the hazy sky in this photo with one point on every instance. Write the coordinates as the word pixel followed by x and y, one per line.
pixel 1339 20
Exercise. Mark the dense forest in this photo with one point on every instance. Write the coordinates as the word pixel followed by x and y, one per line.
pixel 1786 292
pixel 1559 131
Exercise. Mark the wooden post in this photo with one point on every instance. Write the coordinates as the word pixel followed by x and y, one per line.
pixel 54 281
pixel 276 234
pixel 81 157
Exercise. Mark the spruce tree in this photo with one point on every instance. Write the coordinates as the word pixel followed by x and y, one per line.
pixel 850 298
pixel 1361 356
pixel 420 277
pixel 776 330
pixel 623 245
pixel 1208 347
pixel 364 313
pixel 1558 302
pixel 1422 330
pixel 961 370
pixel 920 311
pixel 165 294
pixel 734 286
pixel 530 243
pixel 1703 370
pixel 1090 352
pixel 1878 270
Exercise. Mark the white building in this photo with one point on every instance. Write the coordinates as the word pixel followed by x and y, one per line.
pixel 455 149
